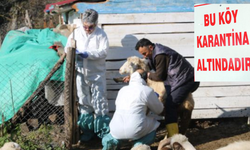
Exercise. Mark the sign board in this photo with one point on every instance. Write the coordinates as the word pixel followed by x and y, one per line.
pixel 221 42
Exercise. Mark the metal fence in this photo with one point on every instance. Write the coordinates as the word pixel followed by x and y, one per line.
pixel 45 104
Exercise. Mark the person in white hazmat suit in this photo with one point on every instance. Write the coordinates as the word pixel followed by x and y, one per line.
pixel 131 120
pixel 91 49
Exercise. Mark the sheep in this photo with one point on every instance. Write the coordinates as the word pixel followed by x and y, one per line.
pixel 141 147
pixel 11 146
pixel 184 110
pixel 177 142
pixel 132 64
pixel 238 145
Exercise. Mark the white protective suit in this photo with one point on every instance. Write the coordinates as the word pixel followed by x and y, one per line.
pixel 130 120
pixel 91 78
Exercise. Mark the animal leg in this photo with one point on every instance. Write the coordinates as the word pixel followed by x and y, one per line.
pixel 185 113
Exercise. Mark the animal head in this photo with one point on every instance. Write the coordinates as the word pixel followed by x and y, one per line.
pixel 11 146
pixel 132 64
pixel 177 142
pixel 141 147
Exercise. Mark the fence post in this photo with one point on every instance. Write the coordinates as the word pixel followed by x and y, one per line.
pixel 70 105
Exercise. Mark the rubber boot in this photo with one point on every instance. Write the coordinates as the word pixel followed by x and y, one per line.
pixel 172 129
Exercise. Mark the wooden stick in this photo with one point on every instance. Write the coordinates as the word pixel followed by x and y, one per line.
pixel 27 19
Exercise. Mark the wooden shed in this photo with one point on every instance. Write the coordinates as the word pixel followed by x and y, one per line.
pixel 172 24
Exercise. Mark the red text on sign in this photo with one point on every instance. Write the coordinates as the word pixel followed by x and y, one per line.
pixel 224 64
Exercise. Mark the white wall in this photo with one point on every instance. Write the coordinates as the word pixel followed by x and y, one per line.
pixel 176 30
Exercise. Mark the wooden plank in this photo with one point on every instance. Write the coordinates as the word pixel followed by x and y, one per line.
pixel 222 102
pixel 203 84
pixel 113 74
pixel 208 85
pixel 129 40
pixel 118 53
pixel 115 87
pixel 210 106
pixel 220 113
pixel 212 103
pixel 111 95
pixel 144 18
pixel 208 113
pixel 211 84
pixel 149 28
pixel 111 104
pixel 222 91
pixel 112 82
pixel 215 92
pixel 115 65
pixel 183 43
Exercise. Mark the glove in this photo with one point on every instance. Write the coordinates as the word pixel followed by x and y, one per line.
pixel 82 54
pixel 157 94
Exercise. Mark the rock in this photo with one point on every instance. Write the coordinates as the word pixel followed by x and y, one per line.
pixel 53 118
pixel 24 128
pixel 33 123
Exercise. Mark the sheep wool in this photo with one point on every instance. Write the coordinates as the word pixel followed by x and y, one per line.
pixel 11 146
pixel 183 141
pixel 141 147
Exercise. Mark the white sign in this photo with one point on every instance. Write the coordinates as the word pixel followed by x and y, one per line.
pixel 222 46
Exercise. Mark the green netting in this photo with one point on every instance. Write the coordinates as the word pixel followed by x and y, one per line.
pixel 25 61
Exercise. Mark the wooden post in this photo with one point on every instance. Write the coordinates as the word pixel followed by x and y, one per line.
pixel 68 112
pixel 51 24
pixel 27 19
pixel 70 104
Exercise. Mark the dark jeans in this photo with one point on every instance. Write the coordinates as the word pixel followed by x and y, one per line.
pixel 175 98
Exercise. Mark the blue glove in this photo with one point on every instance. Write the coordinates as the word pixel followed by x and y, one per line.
pixel 82 54
pixel 157 94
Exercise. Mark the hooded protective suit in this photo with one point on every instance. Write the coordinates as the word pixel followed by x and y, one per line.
pixel 130 120
pixel 91 79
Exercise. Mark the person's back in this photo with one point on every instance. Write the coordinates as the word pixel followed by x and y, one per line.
pixel 130 120
pixel 130 116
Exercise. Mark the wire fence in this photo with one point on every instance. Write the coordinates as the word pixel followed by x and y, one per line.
pixel 31 105
pixel 46 101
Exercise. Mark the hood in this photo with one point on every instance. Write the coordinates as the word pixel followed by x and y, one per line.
pixel 135 78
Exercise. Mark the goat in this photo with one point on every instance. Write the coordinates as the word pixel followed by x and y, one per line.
pixel 11 146
pixel 238 145
pixel 177 142
pixel 184 110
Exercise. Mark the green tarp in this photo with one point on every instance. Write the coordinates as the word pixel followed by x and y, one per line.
pixel 25 61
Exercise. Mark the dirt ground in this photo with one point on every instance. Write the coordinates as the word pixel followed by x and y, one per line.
pixel 207 134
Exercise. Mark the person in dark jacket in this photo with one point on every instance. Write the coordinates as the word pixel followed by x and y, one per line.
pixel 176 73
